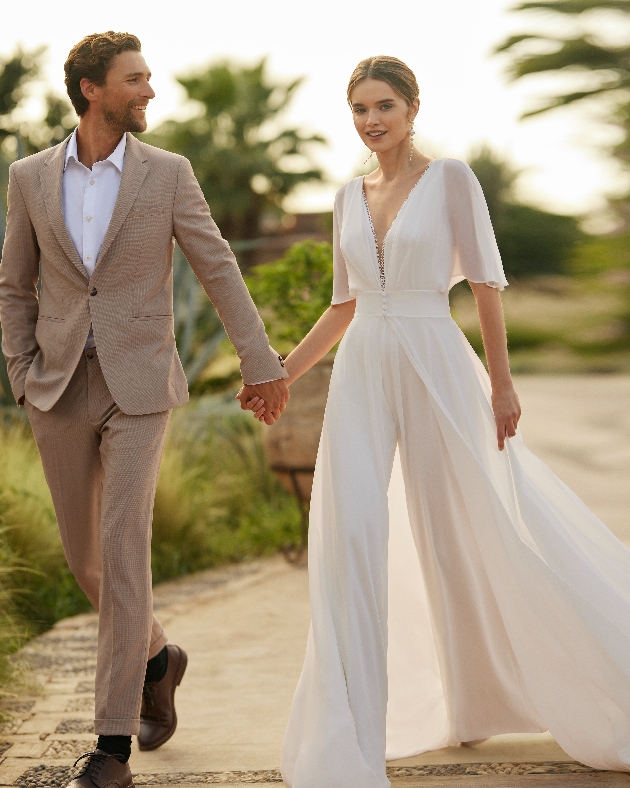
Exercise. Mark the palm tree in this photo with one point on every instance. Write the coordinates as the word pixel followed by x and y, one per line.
pixel 246 163
pixel 604 65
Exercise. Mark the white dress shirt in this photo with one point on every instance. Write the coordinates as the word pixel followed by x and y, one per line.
pixel 89 197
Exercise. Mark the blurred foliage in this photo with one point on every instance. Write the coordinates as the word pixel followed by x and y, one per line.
pixel 536 242
pixel 602 67
pixel 559 324
pixel 198 328
pixel 19 80
pixel 201 516
pixel 602 254
pixel 30 535
pixel 531 241
pixel 293 292
pixel 244 159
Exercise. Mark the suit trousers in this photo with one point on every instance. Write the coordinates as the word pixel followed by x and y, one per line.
pixel 102 467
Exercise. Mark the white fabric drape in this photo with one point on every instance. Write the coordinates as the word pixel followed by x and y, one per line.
pixel 478 596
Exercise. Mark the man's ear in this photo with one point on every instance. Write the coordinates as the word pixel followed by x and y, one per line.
pixel 89 89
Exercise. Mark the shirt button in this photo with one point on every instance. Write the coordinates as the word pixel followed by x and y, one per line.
pixel 89 257
pixel 88 218
pixel 92 182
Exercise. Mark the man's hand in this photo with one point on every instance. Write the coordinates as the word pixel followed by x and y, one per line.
pixel 267 400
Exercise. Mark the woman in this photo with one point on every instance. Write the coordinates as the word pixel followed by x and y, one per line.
pixel 506 601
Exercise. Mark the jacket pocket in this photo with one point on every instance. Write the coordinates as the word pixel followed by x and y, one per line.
pixel 152 210
pixel 151 317
pixel 51 319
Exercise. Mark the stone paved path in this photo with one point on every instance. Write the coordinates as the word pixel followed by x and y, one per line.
pixel 245 627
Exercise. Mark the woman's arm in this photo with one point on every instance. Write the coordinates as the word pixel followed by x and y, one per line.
pixel 505 404
pixel 324 335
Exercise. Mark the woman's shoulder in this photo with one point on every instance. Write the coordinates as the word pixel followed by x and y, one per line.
pixel 457 174
pixel 350 185
pixel 453 166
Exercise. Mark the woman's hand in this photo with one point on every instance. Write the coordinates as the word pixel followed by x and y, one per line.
pixel 507 412
pixel 505 404
pixel 256 405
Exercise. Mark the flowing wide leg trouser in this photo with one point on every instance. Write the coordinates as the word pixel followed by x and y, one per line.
pixel 336 733
pixel 102 466
pixel 522 623
pixel 336 737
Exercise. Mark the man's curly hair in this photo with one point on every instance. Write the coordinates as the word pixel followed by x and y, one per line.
pixel 90 59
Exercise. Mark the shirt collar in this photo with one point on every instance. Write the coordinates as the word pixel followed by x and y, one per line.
pixel 117 158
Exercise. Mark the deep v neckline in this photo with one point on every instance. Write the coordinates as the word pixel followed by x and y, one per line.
pixel 380 251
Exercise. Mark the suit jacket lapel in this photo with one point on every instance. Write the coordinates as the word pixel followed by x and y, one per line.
pixel 51 177
pixel 134 172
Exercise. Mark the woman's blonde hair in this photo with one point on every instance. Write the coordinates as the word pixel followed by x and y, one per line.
pixel 387 69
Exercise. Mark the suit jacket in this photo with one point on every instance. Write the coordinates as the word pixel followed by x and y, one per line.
pixel 129 298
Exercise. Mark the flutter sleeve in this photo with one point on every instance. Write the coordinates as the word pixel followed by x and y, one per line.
pixel 341 288
pixel 476 255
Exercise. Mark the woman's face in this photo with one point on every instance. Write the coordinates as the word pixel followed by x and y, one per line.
pixel 381 115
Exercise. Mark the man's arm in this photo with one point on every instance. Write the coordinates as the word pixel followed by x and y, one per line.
pixel 19 307
pixel 216 268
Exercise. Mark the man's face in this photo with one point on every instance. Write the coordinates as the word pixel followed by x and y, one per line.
pixel 124 97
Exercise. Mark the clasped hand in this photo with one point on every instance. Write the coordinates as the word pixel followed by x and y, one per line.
pixel 265 400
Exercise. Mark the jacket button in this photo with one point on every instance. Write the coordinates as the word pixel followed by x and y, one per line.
pixel 281 361
pixel 93 291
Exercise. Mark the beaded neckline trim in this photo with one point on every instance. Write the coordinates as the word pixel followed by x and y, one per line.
pixel 380 253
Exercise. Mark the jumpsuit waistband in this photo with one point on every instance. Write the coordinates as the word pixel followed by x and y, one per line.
pixel 403 303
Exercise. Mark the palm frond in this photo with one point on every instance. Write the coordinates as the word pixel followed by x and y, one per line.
pixel 563 101
pixel 575 7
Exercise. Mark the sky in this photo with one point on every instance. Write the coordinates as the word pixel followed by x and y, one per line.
pixel 466 98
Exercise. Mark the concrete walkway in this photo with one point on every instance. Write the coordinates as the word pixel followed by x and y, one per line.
pixel 245 628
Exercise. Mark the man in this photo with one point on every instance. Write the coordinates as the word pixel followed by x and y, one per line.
pixel 94 362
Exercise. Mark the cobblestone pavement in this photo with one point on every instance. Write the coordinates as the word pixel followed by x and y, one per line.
pixel 245 627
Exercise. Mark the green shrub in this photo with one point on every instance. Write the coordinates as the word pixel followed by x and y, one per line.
pixel 534 242
pixel 601 253
pixel 47 590
pixel 294 290
pixel 217 501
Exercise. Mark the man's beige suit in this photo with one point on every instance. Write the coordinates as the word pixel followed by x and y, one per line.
pixel 100 417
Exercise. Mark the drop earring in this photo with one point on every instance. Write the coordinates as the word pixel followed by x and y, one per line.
pixel 368 158
pixel 412 131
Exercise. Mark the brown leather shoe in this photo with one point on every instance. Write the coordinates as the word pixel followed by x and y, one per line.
pixel 158 718
pixel 99 770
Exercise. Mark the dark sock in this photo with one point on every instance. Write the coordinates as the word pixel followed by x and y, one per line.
pixel 156 666
pixel 119 746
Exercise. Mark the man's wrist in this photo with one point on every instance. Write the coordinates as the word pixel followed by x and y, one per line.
pixel 260 382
